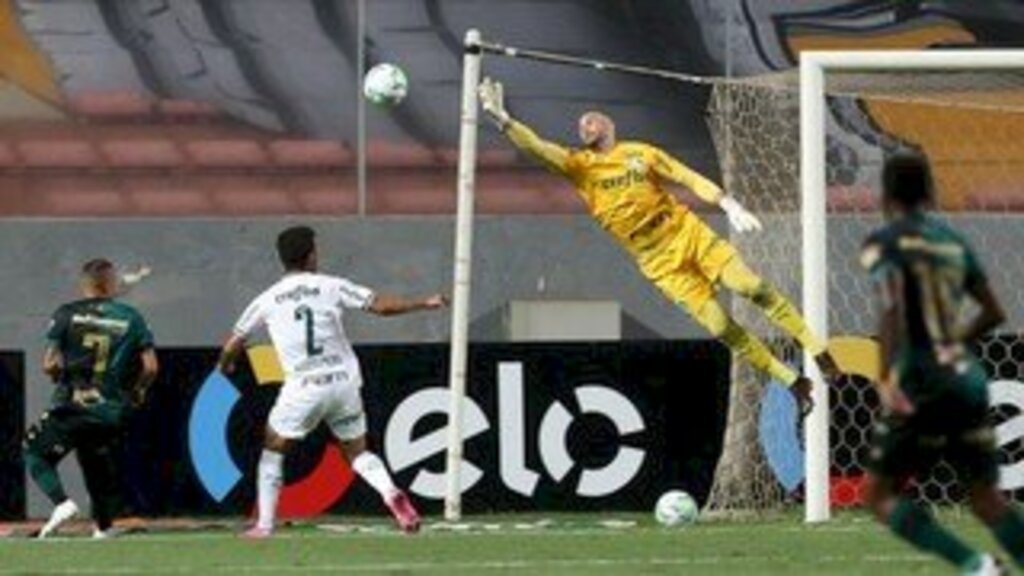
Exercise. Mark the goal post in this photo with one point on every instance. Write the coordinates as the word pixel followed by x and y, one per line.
pixel 462 274
pixel 815 67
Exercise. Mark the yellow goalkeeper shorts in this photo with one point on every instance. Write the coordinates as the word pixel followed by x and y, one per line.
pixel 686 262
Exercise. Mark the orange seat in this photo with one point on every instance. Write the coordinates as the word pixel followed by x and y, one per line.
pixel 310 154
pixel 7 157
pixel 187 111
pixel 383 154
pixel 142 154
pixel 115 105
pixel 59 154
pixel 853 199
pixel 227 154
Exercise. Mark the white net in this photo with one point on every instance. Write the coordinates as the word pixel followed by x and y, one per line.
pixel 969 125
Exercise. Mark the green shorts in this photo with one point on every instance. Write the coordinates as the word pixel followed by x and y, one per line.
pixel 949 428
pixel 66 427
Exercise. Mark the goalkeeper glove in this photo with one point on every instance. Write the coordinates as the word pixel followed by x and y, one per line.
pixel 740 218
pixel 492 100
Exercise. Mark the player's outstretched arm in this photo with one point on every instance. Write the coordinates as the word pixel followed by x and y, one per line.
pixel 230 352
pixel 391 305
pixel 673 170
pixel 492 100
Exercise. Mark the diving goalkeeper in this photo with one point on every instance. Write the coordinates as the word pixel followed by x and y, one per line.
pixel 622 186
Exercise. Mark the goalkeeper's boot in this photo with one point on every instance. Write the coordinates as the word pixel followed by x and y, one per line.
pixel 829 368
pixel 801 391
pixel 64 511
pixel 405 515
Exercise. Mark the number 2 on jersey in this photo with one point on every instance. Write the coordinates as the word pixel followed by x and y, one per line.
pixel 305 314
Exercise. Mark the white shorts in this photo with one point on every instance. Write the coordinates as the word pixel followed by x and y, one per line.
pixel 306 402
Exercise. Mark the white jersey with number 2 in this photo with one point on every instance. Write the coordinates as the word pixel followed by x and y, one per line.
pixel 303 314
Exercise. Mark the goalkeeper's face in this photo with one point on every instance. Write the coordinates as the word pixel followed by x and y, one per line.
pixel 597 131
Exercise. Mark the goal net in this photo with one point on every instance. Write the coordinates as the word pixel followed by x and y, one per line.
pixel 968 121
pixel 966 112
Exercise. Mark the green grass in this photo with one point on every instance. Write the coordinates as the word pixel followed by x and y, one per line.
pixel 509 545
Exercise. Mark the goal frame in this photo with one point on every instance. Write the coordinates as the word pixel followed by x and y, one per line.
pixel 814 67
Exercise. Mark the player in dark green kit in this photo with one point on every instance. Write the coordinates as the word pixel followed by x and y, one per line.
pixel 100 356
pixel 934 391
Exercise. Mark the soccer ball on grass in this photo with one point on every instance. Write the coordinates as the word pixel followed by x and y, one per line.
pixel 676 508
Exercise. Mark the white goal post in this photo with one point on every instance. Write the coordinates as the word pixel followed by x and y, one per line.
pixel 814 68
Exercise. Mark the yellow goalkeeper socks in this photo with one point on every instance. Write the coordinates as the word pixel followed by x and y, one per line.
pixel 736 276
pixel 742 343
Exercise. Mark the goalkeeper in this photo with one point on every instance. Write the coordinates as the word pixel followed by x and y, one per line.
pixel 621 184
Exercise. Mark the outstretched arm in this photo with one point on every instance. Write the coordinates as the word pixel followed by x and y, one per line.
pixel 230 352
pixel 675 171
pixel 492 100
pixel 390 305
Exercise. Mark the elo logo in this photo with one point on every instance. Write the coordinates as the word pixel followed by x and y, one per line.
pixel 210 449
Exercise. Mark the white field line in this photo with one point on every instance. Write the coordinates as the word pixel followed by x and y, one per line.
pixel 494 565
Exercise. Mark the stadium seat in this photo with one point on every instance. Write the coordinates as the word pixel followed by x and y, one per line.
pixel 383 154
pixel 120 106
pixel 176 111
pixel 227 154
pixel 142 154
pixel 8 159
pixel 76 196
pixel 59 154
pixel 247 195
pixel 525 192
pixel 310 154
pixel 1009 199
pixel 163 196
pixel 853 199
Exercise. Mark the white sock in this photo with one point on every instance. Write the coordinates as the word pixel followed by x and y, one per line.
pixel 372 469
pixel 269 477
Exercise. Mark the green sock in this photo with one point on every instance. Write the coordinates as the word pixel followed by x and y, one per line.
pixel 1009 530
pixel 915 525
pixel 45 475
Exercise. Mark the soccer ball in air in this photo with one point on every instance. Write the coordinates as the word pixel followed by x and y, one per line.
pixel 676 508
pixel 385 84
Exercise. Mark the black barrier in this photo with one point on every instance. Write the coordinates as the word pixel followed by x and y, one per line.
pixel 548 426
pixel 12 423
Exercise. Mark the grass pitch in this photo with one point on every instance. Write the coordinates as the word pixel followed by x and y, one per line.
pixel 590 545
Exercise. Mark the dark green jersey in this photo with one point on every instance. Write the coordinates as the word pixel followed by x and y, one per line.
pixel 100 340
pixel 935 268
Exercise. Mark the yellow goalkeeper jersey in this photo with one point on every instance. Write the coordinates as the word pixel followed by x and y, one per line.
pixel 622 188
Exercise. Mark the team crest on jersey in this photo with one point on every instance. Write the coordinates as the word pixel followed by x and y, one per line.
pixel 636 163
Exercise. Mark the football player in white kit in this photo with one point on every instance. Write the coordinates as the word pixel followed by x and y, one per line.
pixel 302 313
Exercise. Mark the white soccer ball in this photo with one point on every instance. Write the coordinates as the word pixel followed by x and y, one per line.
pixel 676 508
pixel 385 84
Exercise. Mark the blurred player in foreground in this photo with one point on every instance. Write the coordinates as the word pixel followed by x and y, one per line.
pixel 303 313
pixel 621 184
pixel 934 391
pixel 101 357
